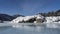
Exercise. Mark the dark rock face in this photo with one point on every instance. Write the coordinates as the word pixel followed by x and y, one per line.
pixel 31 20
pixel 28 21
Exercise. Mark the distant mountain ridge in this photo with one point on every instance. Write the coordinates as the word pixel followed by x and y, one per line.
pixel 6 17
pixel 17 15
pixel 52 13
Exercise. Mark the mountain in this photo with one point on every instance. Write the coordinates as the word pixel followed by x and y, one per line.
pixel 52 13
pixel 5 17
pixel 31 19
pixel 17 15
pixel 28 19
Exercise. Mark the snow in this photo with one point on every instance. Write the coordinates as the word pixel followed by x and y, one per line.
pixel 51 19
pixel 26 18
pixel 39 16
pixel 35 21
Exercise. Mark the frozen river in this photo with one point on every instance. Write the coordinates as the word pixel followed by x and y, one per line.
pixel 29 29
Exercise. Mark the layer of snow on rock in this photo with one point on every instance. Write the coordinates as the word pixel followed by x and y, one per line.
pixel 17 20
pixel 53 19
pixel 28 17
pixel 39 16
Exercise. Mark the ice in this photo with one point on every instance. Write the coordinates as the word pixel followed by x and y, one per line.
pixel 53 25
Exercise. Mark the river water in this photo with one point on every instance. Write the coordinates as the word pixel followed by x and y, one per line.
pixel 29 30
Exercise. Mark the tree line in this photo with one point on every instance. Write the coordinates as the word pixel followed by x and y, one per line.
pixel 52 13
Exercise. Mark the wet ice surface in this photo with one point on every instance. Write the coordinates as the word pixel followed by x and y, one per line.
pixel 19 29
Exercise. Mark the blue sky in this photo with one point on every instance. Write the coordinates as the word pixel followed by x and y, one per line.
pixel 28 7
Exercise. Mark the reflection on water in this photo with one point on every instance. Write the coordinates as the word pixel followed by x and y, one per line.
pixel 28 30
